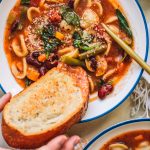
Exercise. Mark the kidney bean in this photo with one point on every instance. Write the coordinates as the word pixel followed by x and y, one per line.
pixel 14 26
pixel 32 61
pixel 53 57
pixel 105 90
pixel 71 4
pixel 42 70
pixel 35 54
pixel 49 65
pixel 93 63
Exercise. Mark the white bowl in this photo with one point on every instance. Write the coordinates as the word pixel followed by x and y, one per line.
pixel 122 90
pixel 102 138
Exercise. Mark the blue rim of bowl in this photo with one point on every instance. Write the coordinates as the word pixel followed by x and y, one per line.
pixel 138 79
pixel 114 127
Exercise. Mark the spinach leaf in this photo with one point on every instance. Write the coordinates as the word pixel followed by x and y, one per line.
pixel 123 23
pixel 25 2
pixel 70 16
pixel 48 32
pixel 76 36
pixel 50 42
pixel 81 45
pixel 82 42
pixel 23 16
pixel 87 37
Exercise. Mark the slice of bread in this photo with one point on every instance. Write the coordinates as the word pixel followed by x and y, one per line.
pixel 49 107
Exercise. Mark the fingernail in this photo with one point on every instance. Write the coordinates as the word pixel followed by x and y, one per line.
pixel 76 141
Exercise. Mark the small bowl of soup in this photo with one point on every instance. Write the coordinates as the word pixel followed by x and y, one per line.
pixel 129 135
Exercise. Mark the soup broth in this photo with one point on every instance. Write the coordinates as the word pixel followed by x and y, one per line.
pixel 135 140
pixel 40 34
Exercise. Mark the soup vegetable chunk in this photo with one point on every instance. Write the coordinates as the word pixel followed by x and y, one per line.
pixel 42 33
pixel 135 140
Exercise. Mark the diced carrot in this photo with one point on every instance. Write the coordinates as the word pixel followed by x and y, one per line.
pixel 19 66
pixel 33 74
pixel 59 35
pixel 42 58
pixel 139 137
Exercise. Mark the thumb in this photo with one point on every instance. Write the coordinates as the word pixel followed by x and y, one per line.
pixel 4 100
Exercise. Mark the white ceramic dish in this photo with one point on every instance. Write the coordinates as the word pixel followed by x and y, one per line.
pixel 108 134
pixel 122 90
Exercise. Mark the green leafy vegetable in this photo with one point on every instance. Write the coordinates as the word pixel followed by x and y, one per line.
pixel 123 23
pixel 100 83
pixel 51 45
pixel 76 36
pixel 70 16
pixel 50 42
pixel 28 82
pixel 25 2
pixel 48 32
pixel 87 37
pixel 82 42
pixel 23 16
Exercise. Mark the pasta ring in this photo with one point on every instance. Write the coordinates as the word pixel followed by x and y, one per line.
pixel 99 5
pixel 17 73
pixel 76 2
pixel 29 12
pixel 41 3
pixel 20 51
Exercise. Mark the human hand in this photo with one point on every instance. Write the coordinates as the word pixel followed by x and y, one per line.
pixel 4 100
pixel 61 142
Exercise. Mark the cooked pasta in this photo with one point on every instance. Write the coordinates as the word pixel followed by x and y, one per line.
pixel 20 49
pixel 30 12
pixel 49 32
pixel 16 72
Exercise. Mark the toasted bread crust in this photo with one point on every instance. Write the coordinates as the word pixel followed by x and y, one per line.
pixel 17 140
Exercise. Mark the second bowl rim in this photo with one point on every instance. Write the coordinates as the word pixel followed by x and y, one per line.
pixel 115 126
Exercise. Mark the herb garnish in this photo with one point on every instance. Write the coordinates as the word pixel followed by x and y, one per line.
pixel 123 23
pixel 70 16
pixel 25 2
pixel 28 82
pixel 82 42
pixel 50 42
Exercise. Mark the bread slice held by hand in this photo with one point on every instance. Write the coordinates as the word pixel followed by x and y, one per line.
pixel 49 107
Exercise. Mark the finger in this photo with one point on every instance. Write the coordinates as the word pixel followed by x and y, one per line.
pixel 71 143
pixel 4 149
pixel 4 100
pixel 55 144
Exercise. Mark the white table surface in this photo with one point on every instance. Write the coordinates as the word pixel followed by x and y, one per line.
pixel 89 130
